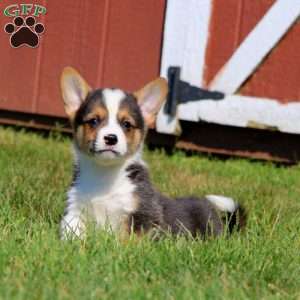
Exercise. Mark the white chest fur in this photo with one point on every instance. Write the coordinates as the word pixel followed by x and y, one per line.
pixel 101 194
pixel 107 206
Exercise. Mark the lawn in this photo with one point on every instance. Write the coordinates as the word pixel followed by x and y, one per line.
pixel 261 263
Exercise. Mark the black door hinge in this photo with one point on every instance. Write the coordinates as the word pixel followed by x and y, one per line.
pixel 182 92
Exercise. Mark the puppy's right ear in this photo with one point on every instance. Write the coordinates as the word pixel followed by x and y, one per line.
pixel 74 90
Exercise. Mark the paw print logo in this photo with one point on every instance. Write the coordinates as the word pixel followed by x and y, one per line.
pixel 24 32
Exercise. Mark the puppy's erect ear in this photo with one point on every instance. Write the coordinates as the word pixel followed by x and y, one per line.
pixel 150 99
pixel 74 90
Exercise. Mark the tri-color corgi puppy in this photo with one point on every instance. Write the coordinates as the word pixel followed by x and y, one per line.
pixel 111 185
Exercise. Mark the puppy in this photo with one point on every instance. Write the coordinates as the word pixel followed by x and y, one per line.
pixel 111 185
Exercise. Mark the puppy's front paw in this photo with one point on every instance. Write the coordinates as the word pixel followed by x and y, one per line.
pixel 72 227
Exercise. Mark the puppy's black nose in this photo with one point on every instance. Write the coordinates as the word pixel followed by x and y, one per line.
pixel 110 139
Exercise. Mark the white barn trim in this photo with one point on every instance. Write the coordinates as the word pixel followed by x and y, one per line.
pixel 184 45
pixel 259 42
pixel 181 47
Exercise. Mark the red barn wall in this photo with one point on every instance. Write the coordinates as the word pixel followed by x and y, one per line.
pixel 111 42
pixel 118 43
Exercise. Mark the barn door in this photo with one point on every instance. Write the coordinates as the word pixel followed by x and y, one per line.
pixel 247 49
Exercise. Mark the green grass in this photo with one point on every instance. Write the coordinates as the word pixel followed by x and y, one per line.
pixel 261 263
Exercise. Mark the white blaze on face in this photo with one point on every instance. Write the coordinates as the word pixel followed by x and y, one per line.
pixel 112 100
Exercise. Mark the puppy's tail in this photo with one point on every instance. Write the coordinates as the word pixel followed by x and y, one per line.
pixel 235 216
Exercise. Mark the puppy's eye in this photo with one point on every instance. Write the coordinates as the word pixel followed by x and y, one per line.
pixel 127 125
pixel 94 122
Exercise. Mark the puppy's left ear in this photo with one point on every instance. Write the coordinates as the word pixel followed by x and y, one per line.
pixel 150 99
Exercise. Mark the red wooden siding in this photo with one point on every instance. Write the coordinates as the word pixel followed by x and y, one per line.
pixel 111 42
pixel 118 43
pixel 278 76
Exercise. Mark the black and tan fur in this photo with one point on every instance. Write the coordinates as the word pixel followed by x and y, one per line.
pixel 119 171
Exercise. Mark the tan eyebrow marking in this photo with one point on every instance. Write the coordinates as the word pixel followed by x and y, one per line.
pixel 124 114
pixel 98 111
